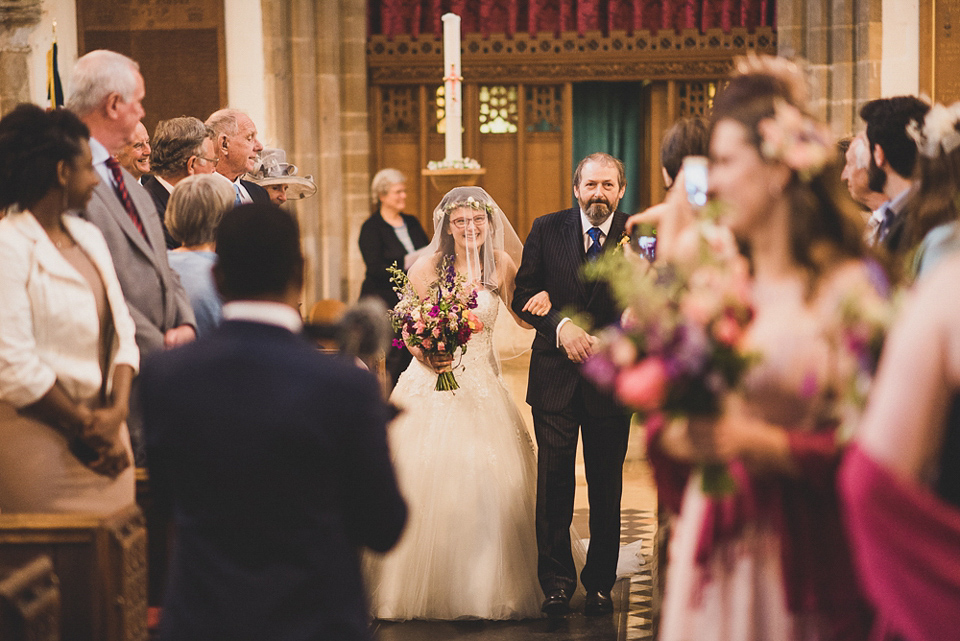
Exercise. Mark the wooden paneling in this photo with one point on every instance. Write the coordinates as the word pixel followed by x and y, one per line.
pixel 180 47
pixel 545 193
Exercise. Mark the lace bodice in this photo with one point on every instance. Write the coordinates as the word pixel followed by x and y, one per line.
pixel 480 346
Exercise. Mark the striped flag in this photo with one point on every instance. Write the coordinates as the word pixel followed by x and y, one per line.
pixel 54 88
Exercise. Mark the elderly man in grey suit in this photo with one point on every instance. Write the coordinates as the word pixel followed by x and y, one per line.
pixel 106 92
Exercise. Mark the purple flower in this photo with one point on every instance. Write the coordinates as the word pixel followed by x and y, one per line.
pixel 600 370
pixel 693 348
pixel 878 278
pixel 434 311
pixel 398 343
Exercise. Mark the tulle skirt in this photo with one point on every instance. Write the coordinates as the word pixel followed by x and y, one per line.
pixel 467 469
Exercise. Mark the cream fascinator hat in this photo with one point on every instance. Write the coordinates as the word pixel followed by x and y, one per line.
pixel 275 170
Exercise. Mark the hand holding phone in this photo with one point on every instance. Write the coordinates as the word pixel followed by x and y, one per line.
pixel 695 180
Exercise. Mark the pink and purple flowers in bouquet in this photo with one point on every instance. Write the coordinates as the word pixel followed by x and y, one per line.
pixel 679 348
pixel 440 322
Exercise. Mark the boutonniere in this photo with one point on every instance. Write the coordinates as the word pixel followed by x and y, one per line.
pixel 622 242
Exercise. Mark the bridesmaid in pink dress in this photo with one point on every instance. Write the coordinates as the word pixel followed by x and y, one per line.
pixel 770 561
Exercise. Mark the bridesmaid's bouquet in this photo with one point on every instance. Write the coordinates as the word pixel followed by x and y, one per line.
pixel 865 315
pixel 440 322
pixel 678 349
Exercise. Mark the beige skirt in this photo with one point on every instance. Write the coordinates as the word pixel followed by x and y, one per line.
pixel 39 474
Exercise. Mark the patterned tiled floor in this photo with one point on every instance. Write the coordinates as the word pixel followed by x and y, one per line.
pixel 632 599
pixel 642 525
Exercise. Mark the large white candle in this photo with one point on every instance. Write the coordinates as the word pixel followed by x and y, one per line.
pixel 453 86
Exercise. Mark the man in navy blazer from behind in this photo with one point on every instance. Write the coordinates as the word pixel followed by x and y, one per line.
pixel 272 456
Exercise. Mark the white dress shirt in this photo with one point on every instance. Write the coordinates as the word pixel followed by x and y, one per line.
pixel 270 313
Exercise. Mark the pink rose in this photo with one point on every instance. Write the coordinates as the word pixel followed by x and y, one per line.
pixel 441 346
pixel 426 343
pixel 727 330
pixel 436 332
pixel 643 386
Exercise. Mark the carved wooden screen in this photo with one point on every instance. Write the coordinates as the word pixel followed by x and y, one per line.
pixel 514 130
pixel 179 46
pixel 518 104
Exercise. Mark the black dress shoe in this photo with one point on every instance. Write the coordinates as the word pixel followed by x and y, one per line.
pixel 597 602
pixel 557 603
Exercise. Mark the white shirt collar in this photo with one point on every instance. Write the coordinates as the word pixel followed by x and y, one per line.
pixel 165 184
pixel 585 224
pixel 264 312
pixel 100 155
pixel 244 194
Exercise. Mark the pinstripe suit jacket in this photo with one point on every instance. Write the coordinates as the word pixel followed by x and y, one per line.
pixel 553 259
pixel 155 297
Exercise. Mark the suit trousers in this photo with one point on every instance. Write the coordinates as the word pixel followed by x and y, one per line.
pixel 604 449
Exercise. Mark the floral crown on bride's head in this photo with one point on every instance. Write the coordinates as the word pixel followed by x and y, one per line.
pixel 937 131
pixel 796 140
pixel 470 202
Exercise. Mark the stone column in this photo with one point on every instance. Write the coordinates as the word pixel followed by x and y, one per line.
pixel 17 19
pixel 842 41
pixel 316 81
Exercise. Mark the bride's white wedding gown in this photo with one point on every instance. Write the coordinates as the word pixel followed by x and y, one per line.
pixel 467 468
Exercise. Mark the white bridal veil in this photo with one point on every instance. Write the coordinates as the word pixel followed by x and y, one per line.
pixel 471 213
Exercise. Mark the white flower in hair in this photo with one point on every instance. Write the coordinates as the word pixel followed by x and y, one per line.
pixel 939 130
pixel 796 140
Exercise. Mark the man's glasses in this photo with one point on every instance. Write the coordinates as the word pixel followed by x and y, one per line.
pixel 478 221
pixel 213 161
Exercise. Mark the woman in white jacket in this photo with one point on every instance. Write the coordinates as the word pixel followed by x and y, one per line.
pixel 67 348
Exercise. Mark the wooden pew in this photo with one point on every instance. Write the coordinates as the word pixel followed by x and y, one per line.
pixel 30 602
pixel 101 565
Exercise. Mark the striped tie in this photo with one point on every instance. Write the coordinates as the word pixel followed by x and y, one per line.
pixel 114 165
pixel 238 198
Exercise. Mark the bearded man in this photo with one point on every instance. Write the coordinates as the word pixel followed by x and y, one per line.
pixel 564 403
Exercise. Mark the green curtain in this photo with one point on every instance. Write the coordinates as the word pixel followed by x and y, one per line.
pixel 607 117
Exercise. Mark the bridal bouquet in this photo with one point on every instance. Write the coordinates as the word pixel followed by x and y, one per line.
pixel 678 350
pixel 439 323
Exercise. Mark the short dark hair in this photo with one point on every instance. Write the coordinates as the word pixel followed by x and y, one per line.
pixel 258 252
pixel 887 120
pixel 687 137
pixel 32 142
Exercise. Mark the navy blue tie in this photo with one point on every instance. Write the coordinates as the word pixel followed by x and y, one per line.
pixel 594 249
pixel 885 223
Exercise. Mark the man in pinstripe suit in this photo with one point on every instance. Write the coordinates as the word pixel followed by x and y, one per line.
pixel 563 402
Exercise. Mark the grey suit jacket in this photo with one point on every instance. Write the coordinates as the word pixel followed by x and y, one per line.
pixel 156 299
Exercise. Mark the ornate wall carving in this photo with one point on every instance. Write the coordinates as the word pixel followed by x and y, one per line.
pixel 570 58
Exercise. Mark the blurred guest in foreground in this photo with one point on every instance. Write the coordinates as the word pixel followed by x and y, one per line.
pixel 769 560
pixel 934 206
pixel 687 137
pixel 196 207
pixel 67 348
pixel 900 481
pixel 389 236
pixel 273 456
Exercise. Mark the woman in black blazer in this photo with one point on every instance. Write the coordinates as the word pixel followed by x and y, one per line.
pixel 386 237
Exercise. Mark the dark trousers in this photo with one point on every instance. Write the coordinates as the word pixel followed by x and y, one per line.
pixel 604 449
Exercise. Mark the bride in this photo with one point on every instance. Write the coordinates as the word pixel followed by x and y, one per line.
pixel 464 459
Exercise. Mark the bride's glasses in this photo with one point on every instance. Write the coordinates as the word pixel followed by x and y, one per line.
pixel 478 221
